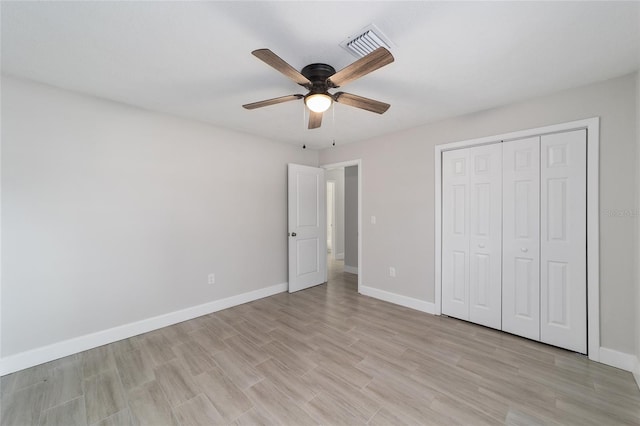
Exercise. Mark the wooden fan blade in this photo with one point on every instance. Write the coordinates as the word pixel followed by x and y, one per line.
pixel 361 102
pixel 275 61
pixel 273 101
pixel 315 119
pixel 363 66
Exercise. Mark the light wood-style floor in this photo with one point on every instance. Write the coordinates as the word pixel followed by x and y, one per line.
pixel 321 356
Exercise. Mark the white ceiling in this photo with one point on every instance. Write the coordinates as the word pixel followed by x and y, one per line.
pixel 192 59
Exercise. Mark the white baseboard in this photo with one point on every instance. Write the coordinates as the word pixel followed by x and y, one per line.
pixel 339 256
pixel 54 351
pixel 351 269
pixel 621 360
pixel 398 299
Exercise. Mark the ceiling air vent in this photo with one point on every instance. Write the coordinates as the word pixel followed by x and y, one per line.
pixel 366 41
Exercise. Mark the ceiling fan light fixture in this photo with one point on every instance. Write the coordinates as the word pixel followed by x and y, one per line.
pixel 318 102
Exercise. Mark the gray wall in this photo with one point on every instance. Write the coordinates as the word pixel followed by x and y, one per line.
pixel 398 188
pixel 351 217
pixel 112 214
pixel 638 228
pixel 337 175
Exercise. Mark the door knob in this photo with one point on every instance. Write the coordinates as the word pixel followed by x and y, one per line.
pixel 524 249
pixel 293 234
pixel 481 245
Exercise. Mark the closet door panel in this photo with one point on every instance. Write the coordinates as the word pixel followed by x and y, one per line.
pixel 563 281
pixel 455 233
pixel 485 235
pixel 521 238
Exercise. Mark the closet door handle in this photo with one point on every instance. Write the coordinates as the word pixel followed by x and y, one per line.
pixel 524 249
pixel 481 245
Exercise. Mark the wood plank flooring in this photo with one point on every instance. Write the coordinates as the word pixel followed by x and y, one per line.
pixel 326 355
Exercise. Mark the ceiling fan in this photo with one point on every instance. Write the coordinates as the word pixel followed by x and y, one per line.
pixel 319 78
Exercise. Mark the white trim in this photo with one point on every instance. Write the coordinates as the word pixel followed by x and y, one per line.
pixel 621 360
pixel 593 214
pixel 358 163
pixel 437 300
pixel 351 269
pixel 398 299
pixel 636 375
pixel 593 237
pixel 57 350
pixel 339 256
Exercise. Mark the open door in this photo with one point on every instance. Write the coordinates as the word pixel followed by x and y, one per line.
pixel 307 227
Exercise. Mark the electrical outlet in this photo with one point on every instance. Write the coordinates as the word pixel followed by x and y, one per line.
pixel 392 272
pixel 211 278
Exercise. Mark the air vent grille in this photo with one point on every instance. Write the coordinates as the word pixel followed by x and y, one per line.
pixel 366 41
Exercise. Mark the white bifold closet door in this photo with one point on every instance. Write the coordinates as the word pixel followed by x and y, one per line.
pixel 455 233
pixel 563 240
pixel 514 237
pixel 472 234
pixel 544 287
pixel 521 238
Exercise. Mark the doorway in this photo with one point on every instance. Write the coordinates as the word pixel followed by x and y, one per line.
pixel 346 240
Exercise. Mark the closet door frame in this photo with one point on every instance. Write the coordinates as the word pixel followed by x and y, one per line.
pixel 592 125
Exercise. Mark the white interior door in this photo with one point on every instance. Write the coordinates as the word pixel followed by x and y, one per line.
pixel 307 227
pixel 563 240
pixel 455 233
pixel 521 238
pixel 485 235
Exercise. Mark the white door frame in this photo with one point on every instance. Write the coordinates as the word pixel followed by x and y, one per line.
pixel 358 163
pixel 593 215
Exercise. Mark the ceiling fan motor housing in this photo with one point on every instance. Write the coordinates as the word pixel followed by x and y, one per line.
pixel 317 74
